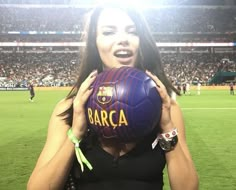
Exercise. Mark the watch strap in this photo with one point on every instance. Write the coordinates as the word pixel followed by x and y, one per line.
pixel 168 141
pixel 168 135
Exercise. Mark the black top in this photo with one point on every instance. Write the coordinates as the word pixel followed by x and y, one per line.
pixel 139 169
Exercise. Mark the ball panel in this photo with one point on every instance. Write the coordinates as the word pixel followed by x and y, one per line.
pixel 124 104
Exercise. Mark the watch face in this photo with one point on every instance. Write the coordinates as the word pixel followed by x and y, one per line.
pixel 165 145
pixel 174 141
pixel 168 145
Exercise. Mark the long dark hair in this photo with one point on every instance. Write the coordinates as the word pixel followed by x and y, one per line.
pixel 148 58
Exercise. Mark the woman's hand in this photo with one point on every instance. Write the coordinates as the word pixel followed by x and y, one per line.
pixel 165 122
pixel 79 124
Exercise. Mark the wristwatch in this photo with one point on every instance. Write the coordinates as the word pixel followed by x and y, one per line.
pixel 168 145
pixel 167 141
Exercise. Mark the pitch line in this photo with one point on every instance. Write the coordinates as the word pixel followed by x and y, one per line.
pixel 208 108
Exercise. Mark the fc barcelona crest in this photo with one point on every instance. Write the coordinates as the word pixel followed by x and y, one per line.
pixel 104 94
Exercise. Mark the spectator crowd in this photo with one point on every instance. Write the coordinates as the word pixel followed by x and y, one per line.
pixel 163 20
pixel 41 69
pixel 59 69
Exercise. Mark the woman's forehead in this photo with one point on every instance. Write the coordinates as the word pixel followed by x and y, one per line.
pixel 113 16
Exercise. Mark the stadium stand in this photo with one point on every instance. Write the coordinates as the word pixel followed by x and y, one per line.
pixel 23 24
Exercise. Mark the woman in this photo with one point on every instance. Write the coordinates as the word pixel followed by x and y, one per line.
pixel 115 37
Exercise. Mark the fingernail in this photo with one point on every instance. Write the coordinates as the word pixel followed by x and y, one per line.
pixel 149 72
pixel 94 73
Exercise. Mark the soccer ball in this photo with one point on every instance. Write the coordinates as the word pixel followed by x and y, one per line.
pixel 124 105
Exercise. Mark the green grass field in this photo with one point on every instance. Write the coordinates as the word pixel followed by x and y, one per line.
pixel 210 128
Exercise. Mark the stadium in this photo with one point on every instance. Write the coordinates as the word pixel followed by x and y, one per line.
pixel 40 42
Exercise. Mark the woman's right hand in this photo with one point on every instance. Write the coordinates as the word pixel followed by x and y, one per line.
pixel 79 124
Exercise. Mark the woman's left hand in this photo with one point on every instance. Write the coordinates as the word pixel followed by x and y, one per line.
pixel 165 122
pixel 181 171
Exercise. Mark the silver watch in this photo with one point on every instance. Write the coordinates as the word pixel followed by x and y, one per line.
pixel 168 144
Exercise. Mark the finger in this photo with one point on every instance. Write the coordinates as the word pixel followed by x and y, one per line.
pixel 155 79
pixel 80 100
pixel 86 95
pixel 84 91
pixel 160 87
pixel 90 79
pixel 92 74
pixel 87 83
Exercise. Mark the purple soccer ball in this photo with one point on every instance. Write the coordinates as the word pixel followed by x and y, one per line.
pixel 124 104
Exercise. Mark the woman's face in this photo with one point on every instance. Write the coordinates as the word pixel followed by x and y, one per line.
pixel 117 40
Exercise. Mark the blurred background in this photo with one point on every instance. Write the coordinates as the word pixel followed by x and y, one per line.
pixel 40 41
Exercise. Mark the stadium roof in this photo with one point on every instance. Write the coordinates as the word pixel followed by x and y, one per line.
pixel 147 2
